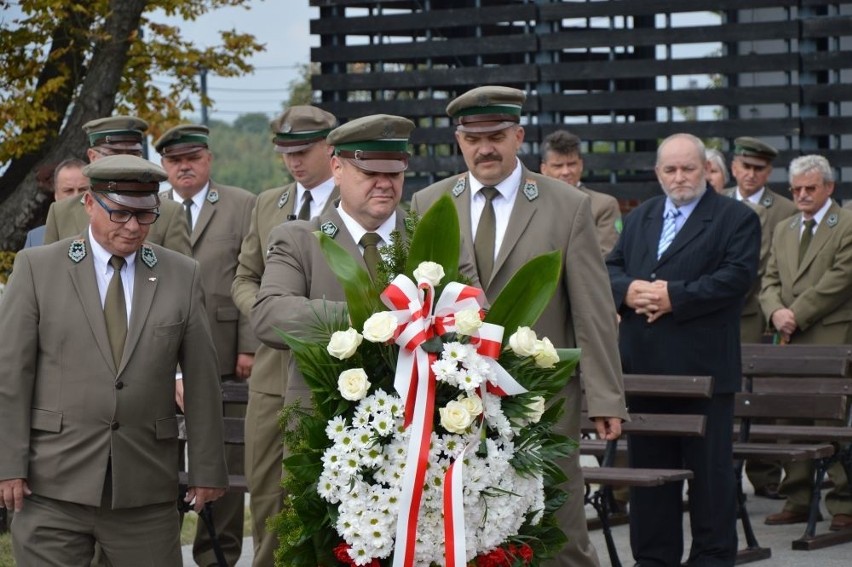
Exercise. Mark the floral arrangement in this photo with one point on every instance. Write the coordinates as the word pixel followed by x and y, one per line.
pixel 430 441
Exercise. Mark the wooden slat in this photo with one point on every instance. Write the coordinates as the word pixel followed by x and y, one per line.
pixel 824 433
pixel 235 392
pixel 561 10
pixel 795 386
pixel 434 78
pixel 801 406
pixel 785 452
pixel 235 431
pixel 796 351
pixel 678 425
pixel 778 365
pixel 633 477
pixel 668 386
pixel 430 49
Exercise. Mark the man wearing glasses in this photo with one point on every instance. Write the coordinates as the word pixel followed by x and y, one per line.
pixel 90 437
pixel 806 294
pixel 117 135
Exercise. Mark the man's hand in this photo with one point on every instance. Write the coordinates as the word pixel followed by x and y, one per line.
pixel 12 493
pixel 784 322
pixel 608 428
pixel 245 361
pixel 633 292
pixel 649 298
pixel 202 495
pixel 179 393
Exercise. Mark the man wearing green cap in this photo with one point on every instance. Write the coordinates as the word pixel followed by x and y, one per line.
pixel 299 136
pixel 511 215
pixel 751 167
pixel 806 294
pixel 116 135
pixel 90 437
pixel 219 217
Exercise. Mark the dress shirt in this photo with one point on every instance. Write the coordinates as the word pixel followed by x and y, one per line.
pixel 103 272
pixel 319 196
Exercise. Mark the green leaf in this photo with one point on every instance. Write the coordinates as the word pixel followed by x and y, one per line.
pixel 524 298
pixel 361 295
pixel 304 467
pixel 436 239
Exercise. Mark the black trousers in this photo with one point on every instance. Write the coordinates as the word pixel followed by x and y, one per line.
pixel 656 514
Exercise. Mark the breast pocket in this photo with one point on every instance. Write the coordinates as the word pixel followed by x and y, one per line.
pixel 169 330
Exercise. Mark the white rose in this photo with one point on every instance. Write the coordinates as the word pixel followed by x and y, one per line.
pixel 343 344
pixel 467 321
pixel 353 384
pixel 536 409
pixel 473 405
pixel 455 418
pixel 429 272
pixel 380 327
pixel 545 354
pixel 523 341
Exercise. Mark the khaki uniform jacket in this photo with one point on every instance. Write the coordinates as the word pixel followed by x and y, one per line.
pixel 273 207
pixel 550 215
pixel 216 238
pixel 298 285
pixel 66 412
pixel 819 292
pixel 68 218
pixel 773 209
pixel 607 215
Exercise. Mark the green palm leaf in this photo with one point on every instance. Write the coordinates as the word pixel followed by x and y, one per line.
pixel 436 239
pixel 526 295
pixel 361 295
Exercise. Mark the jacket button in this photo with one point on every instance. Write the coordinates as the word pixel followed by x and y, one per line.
pixel 114 425
pixel 119 385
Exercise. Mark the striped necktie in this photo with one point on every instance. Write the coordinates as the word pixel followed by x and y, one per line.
pixel 669 230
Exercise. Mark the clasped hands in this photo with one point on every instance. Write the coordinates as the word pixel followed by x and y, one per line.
pixel 650 299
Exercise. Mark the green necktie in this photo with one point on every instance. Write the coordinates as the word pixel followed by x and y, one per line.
pixel 370 243
pixel 305 211
pixel 805 241
pixel 187 205
pixel 486 234
pixel 115 311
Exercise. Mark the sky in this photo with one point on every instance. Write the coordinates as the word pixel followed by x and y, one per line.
pixel 283 26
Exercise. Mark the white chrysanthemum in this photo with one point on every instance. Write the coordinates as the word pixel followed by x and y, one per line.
pixel 456 352
pixel 335 428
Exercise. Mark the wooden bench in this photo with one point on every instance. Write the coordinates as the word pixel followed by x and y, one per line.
pixel 608 476
pixel 234 434
pixel 794 382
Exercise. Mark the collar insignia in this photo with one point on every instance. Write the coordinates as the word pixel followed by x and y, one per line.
pixel 797 222
pixel 831 220
pixel 459 187
pixel 212 196
pixel 329 229
pixel 285 196
pixel 767 201
pixel 148 256
pixel 165 194
pixel 619 225
pixel 77 251
pixel 531 190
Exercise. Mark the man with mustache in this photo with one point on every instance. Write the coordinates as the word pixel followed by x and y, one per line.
pixel 511 215
pixel 682 268
pixel 806 294
pixel 218 217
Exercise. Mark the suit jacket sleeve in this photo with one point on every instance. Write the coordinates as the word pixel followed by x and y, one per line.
pixel 18 354
pixel 202 396
pixel 733 277
pixel 606 225
pixel 247 341
pixel 249 267
pixel 831 290
pixel 283 299
pixel 770 284
pixel 593 318
pixel 51 230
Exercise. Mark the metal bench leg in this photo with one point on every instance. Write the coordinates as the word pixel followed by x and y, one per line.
pixel 600 500
pixel 206 515
pixel 753 551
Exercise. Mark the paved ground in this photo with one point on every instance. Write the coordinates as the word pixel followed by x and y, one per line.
pixel 777 538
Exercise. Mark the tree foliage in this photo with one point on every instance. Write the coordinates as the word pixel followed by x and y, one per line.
pixel 66 62
pixel 243 154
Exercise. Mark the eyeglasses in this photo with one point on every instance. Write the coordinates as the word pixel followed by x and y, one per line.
pixel 122 215
pixel 809 189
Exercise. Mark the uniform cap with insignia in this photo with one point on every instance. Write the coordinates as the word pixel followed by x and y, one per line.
pixel 126 180
pixel 182 140
pixel 299 127
pixel 374 143
pixel 754 151
pixel 487 109
pixel 117 133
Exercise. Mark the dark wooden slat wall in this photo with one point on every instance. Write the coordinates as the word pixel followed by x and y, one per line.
pixel 595 68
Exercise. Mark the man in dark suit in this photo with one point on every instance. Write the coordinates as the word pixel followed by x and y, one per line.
pixel 300 133
pixel 90 437
pixel 679 274
pixel 532 215
pixel 218 217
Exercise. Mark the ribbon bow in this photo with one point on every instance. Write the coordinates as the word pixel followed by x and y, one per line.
pixel 417 323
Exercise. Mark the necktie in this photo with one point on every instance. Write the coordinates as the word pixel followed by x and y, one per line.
pixel 669 230
pixel 305 211
pixel 805 241
pixel 486 234
pixel 115 311
pixel 187 205
pixel 370 242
